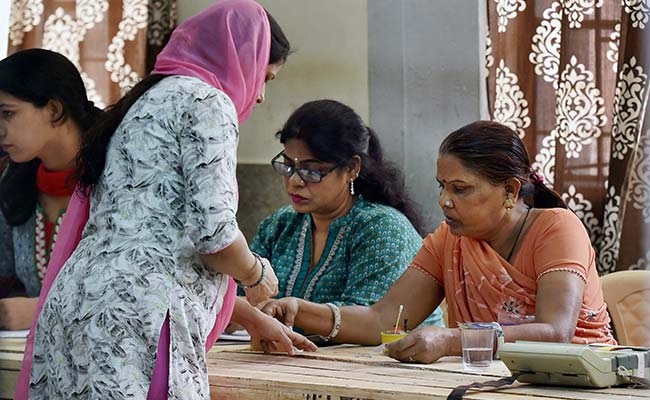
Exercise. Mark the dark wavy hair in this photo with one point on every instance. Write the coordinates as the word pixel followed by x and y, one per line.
pixel 280 46
pixel 496 152
pixel 92 156
pixel 335 133
pixel 38 76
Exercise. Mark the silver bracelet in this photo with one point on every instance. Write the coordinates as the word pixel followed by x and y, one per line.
pixel 259 281
pixel 337 322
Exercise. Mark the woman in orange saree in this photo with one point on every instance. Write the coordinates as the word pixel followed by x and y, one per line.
pixel 509 250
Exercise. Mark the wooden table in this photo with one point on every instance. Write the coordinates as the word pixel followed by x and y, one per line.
pixel 11 357
pixel 339 373
pixel 359 373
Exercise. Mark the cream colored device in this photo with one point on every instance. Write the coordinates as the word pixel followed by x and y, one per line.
pixel 576 365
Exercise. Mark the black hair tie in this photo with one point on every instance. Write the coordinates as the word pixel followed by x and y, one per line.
pixel 90 105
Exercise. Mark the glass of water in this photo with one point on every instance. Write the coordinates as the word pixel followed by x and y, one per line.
pixel 477 340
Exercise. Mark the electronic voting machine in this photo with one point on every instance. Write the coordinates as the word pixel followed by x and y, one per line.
pixel 576 365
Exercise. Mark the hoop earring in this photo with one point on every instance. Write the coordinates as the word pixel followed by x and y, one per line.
pixel 352 187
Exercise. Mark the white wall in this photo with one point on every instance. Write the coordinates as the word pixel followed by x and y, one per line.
pixel 330 38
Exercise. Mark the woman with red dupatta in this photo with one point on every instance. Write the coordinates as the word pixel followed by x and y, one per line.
pixel 43 110
pixel 508 251
pixel 136 295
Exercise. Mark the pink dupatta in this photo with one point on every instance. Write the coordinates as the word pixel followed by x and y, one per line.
pixel 226 46
pixel 67 240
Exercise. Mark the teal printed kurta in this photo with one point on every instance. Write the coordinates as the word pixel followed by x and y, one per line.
pixel 367 250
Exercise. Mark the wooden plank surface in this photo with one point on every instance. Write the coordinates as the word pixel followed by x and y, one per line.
pixel 341 373
pixel 329 379
pixel 374 356
pixel 10 361
pixel 353 372
pixel 12 345
pixel 8 384
pixel 11 357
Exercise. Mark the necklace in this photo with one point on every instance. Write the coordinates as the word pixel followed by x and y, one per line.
pixel 521 228
pixel 57 184
pixel 41 249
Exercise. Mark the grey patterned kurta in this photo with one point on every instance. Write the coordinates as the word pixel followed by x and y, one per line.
pixel 17 258
pixel 167 193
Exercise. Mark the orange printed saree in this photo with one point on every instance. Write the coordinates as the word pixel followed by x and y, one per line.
pixel 481 286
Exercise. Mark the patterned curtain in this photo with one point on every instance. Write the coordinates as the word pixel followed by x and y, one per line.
pixel 113 42
pixel 571 77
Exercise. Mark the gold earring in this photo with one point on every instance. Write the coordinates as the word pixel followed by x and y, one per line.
pixel 508 203
pixel 352 187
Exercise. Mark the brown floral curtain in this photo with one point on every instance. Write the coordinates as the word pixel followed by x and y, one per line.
pixel 571 77
pixel 113 42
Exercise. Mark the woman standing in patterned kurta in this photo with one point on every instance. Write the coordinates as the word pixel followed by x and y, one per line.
pixel 147 280
pixel 349 232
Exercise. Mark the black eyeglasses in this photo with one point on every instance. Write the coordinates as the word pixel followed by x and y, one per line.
pixel 306 174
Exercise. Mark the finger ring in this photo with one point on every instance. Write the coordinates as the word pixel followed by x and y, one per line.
pixel 411 358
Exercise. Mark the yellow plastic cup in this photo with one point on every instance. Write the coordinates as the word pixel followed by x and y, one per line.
pixel 390 337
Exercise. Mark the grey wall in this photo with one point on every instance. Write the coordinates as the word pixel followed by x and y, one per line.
pixel 261 192
pixel 423 82
pixel 423 60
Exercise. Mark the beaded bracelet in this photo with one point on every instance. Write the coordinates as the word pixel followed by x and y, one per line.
pixel 262 275
pixel 337 322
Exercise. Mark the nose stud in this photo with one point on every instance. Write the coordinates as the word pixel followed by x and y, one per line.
pixel 449 204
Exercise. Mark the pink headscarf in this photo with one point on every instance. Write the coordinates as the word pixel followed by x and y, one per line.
pixel 226 46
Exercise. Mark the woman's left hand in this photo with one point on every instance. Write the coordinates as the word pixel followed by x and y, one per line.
pixel 276 337
pixel 424 345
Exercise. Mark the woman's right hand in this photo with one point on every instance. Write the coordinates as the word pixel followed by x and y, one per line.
pixel 17 313
pixel 284 309
pixel 266 289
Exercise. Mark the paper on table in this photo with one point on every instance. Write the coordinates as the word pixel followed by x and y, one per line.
pixel 238 336
pixel 14 334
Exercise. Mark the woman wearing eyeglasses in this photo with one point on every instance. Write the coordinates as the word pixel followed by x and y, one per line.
pixel 351 229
